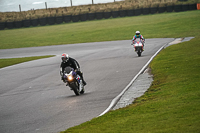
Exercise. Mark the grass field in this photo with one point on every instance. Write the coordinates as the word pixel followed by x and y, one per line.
pixel 165 25
pixel 13 61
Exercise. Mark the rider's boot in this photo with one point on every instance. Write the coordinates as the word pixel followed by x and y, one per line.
pixel 84 83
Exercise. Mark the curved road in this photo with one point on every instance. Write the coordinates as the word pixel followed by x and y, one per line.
pixel 33 98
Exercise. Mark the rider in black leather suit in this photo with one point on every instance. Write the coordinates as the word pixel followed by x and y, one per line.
pixel 68 61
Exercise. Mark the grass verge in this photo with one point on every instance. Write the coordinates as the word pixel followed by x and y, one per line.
pixel 151 26
pixel 13 61
pixel 171 104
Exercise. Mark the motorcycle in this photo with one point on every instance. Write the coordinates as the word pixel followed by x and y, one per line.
pixel 73 80
pixel 138 46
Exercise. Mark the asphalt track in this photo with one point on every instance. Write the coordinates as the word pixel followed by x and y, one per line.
pixel 33 99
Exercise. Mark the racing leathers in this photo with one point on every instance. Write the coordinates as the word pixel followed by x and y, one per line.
pixel 139 36
pixel 74 64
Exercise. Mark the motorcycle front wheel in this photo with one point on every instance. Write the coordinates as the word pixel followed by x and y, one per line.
pixel 75 88
pixel 139 53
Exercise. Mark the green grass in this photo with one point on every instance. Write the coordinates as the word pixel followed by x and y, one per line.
pixel 151 26
pixel 13 61
pixel 171 104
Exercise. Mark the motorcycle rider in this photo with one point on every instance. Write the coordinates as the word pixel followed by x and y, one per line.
pixel 138 35
pixel 68 61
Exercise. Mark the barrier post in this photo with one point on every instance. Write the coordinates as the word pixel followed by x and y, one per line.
pixel 46 5
pixel 20 8
pixel 198 6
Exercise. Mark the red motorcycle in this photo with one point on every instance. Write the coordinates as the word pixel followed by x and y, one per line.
pixel 138 46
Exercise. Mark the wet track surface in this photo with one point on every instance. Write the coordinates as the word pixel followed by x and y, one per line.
pixel 33 98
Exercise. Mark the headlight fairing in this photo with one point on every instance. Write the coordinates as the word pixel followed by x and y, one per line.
pixel 70 77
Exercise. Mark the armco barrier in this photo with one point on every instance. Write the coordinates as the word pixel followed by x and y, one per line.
pixel 123 13
pixel 42 21
pixel 67 18
pixel 153 10
pixel 115 14
pixel 18 24
pixel 34 22
pixel 97 15
pixel 138 12
pixel 26 23
pixel 83 17
pixel 59 19
pixel 75 18
pixel 178 8
pixel 10 25
pixel 130 13
pixel 107 15
pixel 162 9
pixel 2 25
pixel 170 8
pixel 91 16
pixel 185 7
pixel 193 7
pixel 51 20
pixel 145 11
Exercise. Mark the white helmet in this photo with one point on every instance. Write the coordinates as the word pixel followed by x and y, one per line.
pixel 137 33
pixel 65 57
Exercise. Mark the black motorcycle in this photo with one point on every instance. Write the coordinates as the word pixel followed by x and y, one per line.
pixel 73 80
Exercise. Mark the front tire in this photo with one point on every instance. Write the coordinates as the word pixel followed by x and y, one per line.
pixel 75 88
pixel 139 53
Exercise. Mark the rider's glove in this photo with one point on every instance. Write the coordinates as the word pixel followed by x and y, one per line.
pixel 78 69
pixel 61 73
pixel 132 42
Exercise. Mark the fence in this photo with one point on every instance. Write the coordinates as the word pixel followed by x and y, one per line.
pixel 97 15
pixel 49 4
